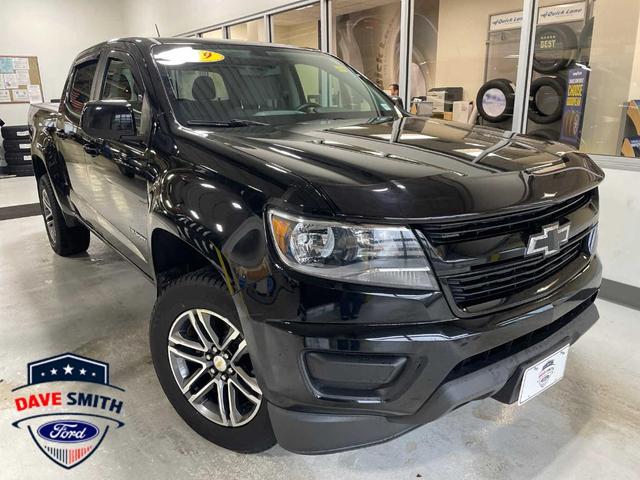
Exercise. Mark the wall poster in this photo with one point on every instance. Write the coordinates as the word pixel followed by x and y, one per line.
pixel 20 80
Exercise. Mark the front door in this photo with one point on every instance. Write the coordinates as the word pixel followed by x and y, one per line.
pixel 117 170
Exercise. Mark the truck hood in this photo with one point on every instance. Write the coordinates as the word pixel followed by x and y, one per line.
pixel 417 168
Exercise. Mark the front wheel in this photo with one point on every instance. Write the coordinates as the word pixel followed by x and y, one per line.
pixel 201 358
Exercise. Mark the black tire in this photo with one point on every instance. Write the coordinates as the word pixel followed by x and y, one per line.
pixel 64 240
pixel 203 289
pixel 501 92
pixel 18 159
pixel 558 89
pixel 17 146
pixel 555 48
pixel 16 132
pixel 21 170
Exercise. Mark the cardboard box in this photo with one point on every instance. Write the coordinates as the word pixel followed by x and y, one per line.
pixel 445 97
pixel 461 111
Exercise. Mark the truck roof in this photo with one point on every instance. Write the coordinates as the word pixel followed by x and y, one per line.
pixel 148 42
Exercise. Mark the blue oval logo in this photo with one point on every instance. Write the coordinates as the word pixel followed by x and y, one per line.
pixel 68 431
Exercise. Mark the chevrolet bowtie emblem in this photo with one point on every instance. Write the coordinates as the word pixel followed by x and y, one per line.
pixel 550 240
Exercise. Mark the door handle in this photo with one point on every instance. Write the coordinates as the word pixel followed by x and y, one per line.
pixel 92 149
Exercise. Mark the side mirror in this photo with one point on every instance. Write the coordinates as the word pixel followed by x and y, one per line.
pixel 108 120
pixel 397 101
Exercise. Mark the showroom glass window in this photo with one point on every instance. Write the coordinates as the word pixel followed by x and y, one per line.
pixel 465 52
pixel 366 35
pixel 120 84
pixel 80 88
pixel 213 34
pixel 252 31
pixel 299 27
pixel 585 85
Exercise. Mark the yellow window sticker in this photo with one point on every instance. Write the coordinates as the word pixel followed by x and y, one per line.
pixel 342 68
pixel 209 56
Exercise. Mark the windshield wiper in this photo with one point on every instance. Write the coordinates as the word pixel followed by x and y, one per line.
pixel 234 122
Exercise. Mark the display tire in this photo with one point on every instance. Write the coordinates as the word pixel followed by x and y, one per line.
pixel 20 170
pixel 560 33
pixel 502 86
pixel 15 132
pixel 14 158
pixel 202 290
pixel 13 146
pixel 65 240
pixel 558 85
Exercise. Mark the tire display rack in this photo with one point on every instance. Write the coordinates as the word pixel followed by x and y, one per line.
pixel 16 142
pixel 557 49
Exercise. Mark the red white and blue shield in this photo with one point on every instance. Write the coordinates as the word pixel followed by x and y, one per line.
pixel 68 439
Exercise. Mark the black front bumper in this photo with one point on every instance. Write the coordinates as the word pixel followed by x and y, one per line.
pixel 342 385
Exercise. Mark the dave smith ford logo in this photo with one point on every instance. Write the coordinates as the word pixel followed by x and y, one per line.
pixel 68 424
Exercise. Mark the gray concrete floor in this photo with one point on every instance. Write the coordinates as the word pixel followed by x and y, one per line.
pixel 587 426
pixel 17 191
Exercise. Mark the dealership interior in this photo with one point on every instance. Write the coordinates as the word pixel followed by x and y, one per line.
pixel 562 75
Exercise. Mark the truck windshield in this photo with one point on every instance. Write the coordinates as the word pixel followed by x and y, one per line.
pixel 238 85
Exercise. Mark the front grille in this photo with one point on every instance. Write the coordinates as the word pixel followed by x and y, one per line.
pixel 503 224
pixel 497 280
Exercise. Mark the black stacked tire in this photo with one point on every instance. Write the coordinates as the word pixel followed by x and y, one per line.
pixel 17 150
pixel 17 145
pixel 17 158
pixel 16 132
pixel 21 170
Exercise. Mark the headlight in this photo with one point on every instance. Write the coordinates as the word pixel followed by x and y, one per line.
pixel 366 254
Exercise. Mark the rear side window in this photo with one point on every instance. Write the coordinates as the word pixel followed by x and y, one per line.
pixel 80 89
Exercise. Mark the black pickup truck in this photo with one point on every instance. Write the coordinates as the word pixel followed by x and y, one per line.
pixel 331 271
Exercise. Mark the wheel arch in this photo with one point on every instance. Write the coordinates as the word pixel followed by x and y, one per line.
pixel 173 256
pixel 39 168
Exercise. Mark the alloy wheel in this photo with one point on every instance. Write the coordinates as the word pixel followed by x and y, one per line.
pixel 210 362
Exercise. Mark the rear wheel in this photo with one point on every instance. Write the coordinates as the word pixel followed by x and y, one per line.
pixel 201 358
pixel 64 240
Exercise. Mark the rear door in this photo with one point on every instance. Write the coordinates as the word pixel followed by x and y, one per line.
pixel 70 138
pixel 118 170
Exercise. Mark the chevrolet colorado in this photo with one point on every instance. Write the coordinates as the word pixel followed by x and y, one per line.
pixel 331 272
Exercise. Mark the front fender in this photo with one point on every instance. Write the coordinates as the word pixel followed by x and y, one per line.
pixel 219 219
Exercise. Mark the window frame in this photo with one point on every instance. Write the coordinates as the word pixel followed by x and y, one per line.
pixel 120 53
pixel 138 84
pixel 321 5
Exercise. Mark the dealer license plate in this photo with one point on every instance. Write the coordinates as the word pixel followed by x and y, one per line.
pixel 547 372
